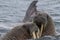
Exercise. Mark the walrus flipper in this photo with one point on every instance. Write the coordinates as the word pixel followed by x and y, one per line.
pixel 31 9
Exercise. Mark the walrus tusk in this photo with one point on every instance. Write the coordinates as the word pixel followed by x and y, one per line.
pixel 41 30
pixel 34 35
pixel 38 33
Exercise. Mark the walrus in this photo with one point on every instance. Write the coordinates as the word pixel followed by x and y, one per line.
pixel 44 21
pixel 24 31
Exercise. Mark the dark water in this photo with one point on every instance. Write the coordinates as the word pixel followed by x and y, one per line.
pixel 13 11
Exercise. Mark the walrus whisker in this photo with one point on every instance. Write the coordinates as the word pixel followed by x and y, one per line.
pixel 41 30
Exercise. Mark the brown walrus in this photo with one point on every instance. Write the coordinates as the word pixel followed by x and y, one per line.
pixel 22 32
pixel 40 18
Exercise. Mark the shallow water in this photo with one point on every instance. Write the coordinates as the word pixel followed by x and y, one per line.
pixel 13 11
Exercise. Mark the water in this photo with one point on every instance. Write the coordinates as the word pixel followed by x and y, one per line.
pixel 13 11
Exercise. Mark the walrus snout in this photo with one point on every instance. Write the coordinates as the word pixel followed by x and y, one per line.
pixel 40 20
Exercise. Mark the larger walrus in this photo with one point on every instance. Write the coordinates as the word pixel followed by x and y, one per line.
pixel 41 19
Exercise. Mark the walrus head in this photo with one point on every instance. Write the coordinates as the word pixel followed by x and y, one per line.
pixel 40 19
